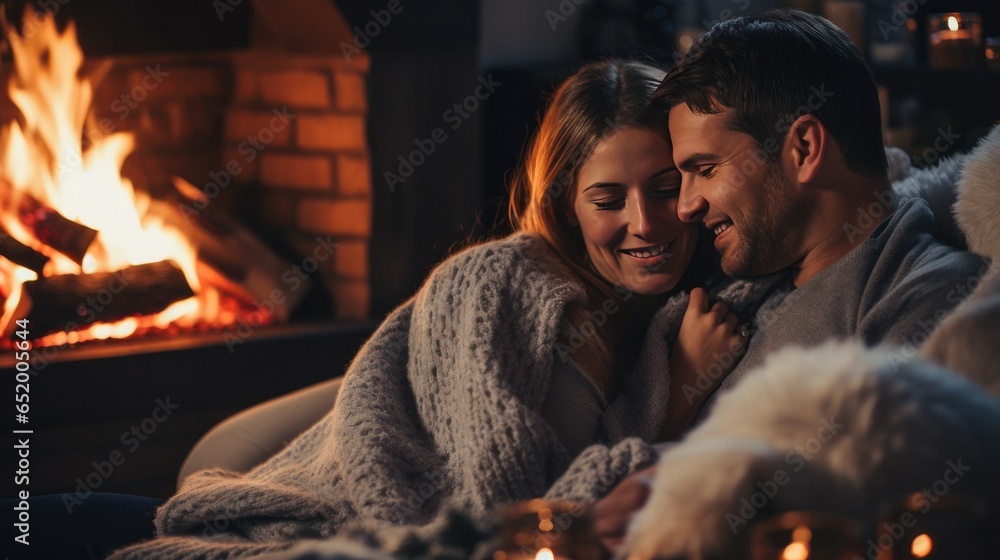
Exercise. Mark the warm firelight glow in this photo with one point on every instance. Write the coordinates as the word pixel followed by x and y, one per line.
pixel 544 554
pixel 921 546
pixel 44 155
pixel 953 23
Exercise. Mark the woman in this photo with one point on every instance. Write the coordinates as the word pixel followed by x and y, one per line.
pixel 534 365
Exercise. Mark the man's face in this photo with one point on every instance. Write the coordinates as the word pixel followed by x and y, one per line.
pixel 745 201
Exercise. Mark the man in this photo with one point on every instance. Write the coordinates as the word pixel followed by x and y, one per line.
pixel 777 133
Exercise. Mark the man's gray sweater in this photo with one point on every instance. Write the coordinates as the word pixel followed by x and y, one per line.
pixel 894 288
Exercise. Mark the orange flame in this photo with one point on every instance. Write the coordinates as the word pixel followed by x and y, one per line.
pixel 43 156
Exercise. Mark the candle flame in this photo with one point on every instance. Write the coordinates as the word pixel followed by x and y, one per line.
pixel 545 554
pixel 795 551
pixel 921 546
pixel 953 23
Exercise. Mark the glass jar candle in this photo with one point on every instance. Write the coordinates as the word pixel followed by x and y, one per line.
pixel 805 535
pixel 547 530
pixel 955 40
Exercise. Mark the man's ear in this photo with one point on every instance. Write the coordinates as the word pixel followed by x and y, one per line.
pixel 805 147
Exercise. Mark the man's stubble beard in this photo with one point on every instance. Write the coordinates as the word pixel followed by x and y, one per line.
pixel 766 242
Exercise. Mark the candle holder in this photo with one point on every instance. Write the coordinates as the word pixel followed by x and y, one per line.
pixel 924 526
pixel 955 40
pixel 547 530
pixel 805 535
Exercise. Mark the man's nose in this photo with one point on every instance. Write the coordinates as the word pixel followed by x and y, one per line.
pixel 691 206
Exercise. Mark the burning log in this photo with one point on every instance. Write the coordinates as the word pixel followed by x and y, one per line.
pixel 54 230
pixel 71 301
pixel 19 253
pixel 232 250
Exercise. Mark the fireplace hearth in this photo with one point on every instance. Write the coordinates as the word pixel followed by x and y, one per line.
pixel 92 401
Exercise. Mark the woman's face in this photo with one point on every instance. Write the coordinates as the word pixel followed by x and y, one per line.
pixel 626 207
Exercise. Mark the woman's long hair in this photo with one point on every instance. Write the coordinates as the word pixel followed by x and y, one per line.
pixel 600 98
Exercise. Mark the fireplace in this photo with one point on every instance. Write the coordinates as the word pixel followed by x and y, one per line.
pixel 262 156
pixel 222 142
pixel 277 137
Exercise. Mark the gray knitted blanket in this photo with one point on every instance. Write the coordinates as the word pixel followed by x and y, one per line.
pixel 438 411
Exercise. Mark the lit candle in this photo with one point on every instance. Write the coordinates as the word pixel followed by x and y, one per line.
pixel 547 530
pixel 954 40
pixel 544 554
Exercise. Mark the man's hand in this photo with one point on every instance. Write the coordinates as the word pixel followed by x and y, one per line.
pixel 614 512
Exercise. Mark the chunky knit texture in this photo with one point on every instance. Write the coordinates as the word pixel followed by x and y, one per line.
pixel 439 411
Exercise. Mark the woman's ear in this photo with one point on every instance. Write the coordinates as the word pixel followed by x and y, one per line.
pixel 805 147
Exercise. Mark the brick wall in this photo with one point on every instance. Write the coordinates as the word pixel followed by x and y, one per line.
pixel 290 126
pixel 175 105
pixel 298 122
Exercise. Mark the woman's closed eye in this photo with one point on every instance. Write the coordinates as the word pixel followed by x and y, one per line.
pixel 610 203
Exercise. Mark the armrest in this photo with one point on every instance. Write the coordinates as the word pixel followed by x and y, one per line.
pixel 248 438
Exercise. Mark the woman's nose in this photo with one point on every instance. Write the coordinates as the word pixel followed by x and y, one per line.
pixel 639 223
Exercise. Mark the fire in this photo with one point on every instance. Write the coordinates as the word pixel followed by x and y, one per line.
pixel 44 157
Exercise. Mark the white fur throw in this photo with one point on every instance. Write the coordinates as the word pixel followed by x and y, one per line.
pixel 967 341
pixel 979 197
pixel 836 428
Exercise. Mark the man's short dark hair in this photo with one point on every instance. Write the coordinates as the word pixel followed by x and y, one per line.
pixel 774 67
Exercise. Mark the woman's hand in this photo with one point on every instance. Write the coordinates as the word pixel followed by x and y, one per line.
pixel 707 348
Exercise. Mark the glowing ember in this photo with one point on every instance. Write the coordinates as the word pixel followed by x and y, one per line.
pixel 43 163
